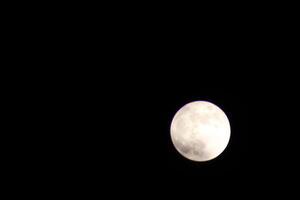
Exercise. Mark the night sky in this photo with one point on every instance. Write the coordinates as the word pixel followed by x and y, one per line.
pixel 129 140
pixel 101 108
pixel 114 123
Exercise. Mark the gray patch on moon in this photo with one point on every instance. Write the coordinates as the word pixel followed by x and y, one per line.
pixel 196 149
pixel 181 147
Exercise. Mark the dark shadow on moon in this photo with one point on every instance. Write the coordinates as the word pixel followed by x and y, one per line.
pixel 182 148
pixel 195 149
pixel 199 150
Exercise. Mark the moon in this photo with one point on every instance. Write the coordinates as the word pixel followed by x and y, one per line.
pixel 200 131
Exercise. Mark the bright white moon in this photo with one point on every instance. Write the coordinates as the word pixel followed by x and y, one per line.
pixel 200 131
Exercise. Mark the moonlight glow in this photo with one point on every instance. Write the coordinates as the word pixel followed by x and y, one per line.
pixel 200 131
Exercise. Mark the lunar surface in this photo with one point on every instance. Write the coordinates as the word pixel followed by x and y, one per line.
pixel 200 131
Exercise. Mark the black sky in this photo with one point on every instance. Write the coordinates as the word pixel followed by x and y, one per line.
pixel 103 105
pixel 128 142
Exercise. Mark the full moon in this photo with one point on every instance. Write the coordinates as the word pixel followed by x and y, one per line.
pixel 200 131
